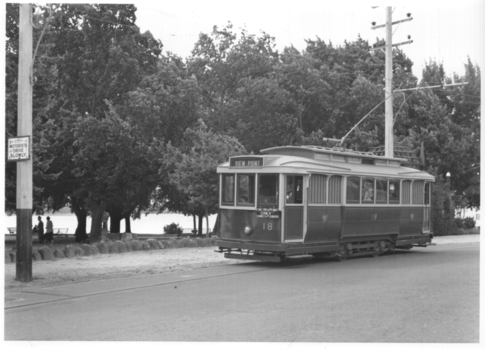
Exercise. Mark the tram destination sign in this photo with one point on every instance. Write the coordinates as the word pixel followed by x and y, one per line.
pixel 246 162
pixel 268 213
pixel 18 148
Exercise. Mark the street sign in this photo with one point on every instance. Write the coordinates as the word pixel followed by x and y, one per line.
pixel 18 148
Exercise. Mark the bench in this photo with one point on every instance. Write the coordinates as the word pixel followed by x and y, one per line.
pixel 12 230
pixel 60 232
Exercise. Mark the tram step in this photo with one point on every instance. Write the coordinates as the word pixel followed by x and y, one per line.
pixel 270 258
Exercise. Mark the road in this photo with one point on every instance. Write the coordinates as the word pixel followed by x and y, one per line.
pixel 426 295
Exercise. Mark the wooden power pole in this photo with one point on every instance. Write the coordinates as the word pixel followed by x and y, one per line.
pixel 389 122
pixel 24 166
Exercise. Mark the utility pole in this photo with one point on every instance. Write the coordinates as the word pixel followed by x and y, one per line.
pixel 389 119
pixel 389 135
pixel 24 166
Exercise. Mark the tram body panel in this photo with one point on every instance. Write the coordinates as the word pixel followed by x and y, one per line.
pixel 412 220
pixel 324 224
pixel 294 223
pixel 365 221
pixel 234 222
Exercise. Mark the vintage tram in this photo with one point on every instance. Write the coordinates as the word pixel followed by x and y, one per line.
pixel 325 202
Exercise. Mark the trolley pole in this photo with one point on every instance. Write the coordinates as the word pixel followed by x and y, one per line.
pixel 24 167
pixel 389 137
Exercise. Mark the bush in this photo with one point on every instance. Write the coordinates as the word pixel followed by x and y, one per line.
pixel 153 243
pixel 59 254
pixel 136 245
pixel 459 222
pixel 121 246
pixel 469 223
pixel 465 223
pixel 46 253
pixel 102 247
pixel 173 229
pixel 69 251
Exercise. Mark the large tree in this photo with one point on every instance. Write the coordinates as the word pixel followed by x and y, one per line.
pixel 98 55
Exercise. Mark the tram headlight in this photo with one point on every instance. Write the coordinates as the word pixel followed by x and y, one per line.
pixel 248 230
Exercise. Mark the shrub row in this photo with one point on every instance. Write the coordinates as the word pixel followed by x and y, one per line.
pixel 111 247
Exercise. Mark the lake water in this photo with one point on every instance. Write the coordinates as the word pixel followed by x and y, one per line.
pixel 150 224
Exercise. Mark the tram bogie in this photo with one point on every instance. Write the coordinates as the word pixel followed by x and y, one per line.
pixel 308 200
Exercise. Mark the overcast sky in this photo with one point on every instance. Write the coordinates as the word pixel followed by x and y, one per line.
pixel 441 30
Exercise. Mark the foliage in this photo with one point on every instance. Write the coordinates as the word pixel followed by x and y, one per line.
pixel 192 167
pixel 465 223
pixel 172 229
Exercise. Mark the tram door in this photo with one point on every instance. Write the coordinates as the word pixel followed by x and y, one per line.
pixel 294 207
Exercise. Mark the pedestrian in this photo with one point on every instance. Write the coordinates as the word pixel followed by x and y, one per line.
pixel 49 231
pixel 40 230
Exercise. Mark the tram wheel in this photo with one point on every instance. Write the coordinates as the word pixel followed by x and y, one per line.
pixel 342 254
pixel 379 249
pixel 390 247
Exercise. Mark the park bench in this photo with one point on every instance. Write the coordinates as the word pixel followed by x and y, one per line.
pixel 12 230
pixel 60 232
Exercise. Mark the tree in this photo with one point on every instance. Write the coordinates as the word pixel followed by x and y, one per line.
pixel 193 167
pixel 97 54
pixel 220 61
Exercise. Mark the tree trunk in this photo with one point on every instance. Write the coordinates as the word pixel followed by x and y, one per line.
pixel 127 223
pixel 81 213
pixel 201 223
pixel 115 216
pixel 97 211
pixel 80 234
pixel 207 221
pixel 195 223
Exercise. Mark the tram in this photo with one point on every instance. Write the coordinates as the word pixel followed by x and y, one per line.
pixel 320 201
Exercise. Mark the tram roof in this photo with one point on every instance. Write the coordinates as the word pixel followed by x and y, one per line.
pixel 310 151
pixel 298 160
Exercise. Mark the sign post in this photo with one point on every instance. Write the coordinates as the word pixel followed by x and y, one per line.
pixel 18 148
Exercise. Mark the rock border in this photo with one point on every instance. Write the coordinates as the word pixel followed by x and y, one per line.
pixel 108 246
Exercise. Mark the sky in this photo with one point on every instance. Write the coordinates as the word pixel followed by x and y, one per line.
pixel 445 31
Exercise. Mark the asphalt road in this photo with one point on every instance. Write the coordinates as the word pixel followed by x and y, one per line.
pixel 426 295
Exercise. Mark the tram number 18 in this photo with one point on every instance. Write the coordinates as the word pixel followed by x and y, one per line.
pixel 267 226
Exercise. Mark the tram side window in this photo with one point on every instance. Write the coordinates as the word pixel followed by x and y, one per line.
pixel 418 192
pixel 245 189
pixel 268 189
pixel 228 189
pixel 368 191
pixel 394 191
pixel 406 192
pixel 318 188
pixel 381 191
pixel 335 190
pixel 353 189
pixel 294 189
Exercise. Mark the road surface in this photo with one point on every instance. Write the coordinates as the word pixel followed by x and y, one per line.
pixel 426 295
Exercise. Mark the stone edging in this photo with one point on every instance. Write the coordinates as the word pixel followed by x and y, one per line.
pixel 108 246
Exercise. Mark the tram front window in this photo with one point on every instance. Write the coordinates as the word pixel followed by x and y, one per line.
pixel 228 189
pixel 245 189
pixel 268 189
